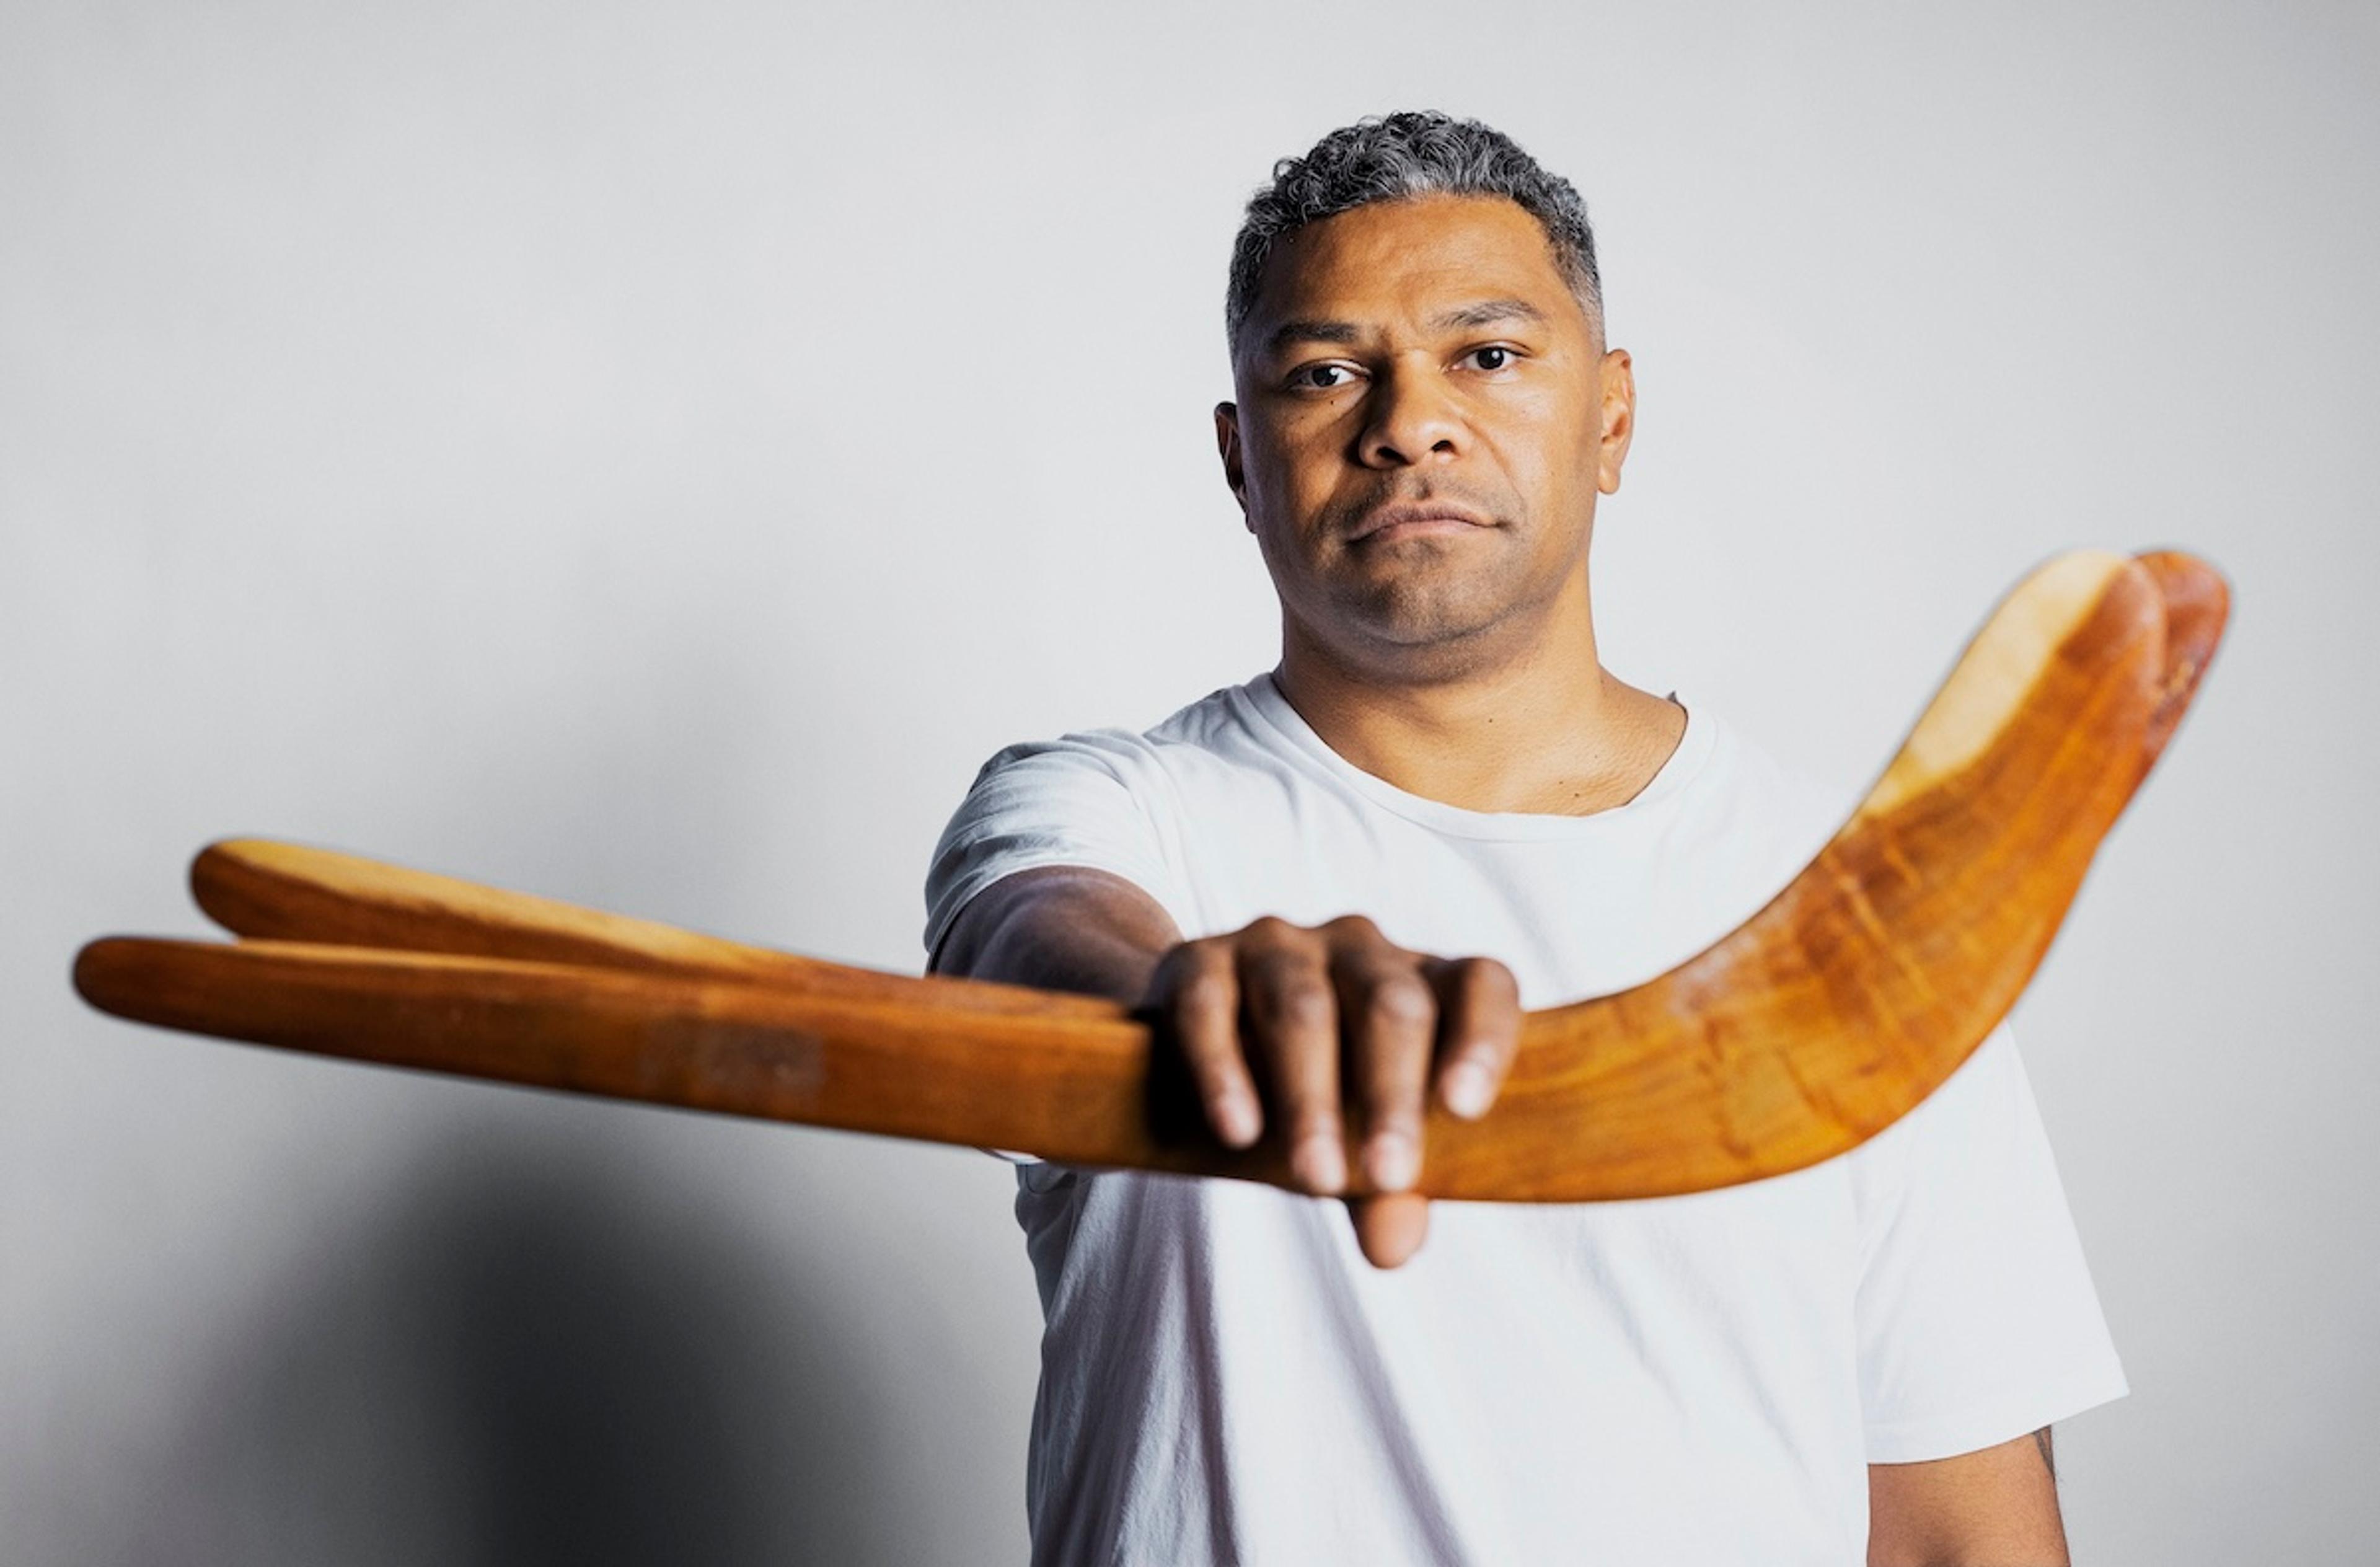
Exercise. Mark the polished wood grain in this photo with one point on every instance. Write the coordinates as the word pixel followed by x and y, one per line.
pixel 272 890
pixel 1829 1014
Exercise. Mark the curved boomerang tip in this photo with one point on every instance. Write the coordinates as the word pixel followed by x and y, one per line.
pixel 1877 971
pixel 2197 608
pixel 1827 1014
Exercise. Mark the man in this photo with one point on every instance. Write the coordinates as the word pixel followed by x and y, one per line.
pixel 1861 1356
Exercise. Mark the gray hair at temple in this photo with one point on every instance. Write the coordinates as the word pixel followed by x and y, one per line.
pixel 1395 158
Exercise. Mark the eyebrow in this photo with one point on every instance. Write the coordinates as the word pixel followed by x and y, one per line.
pixel 1486 312
pixel 1291 332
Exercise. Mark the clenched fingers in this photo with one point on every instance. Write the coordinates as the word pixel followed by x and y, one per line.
pixel 1479 1030
pixel 1293 1012
pixel 1390 1018
pixel 1199 984
pixel 1270 1018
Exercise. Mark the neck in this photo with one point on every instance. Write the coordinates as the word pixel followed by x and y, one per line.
pixel 1540 726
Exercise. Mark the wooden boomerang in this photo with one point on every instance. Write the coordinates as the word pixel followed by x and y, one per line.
pixel 1809 1029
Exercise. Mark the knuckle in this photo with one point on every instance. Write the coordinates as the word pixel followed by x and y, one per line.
pixel 1315 1116
pixel 1490 1003
pixel 1278 969
pixel 1398 1111
pixel 1203 992
pixel 1267 930
pixel 1302 1003
pixel 1356 928
pixel 1400 1002
pixel 1185 962
pixel 1489 975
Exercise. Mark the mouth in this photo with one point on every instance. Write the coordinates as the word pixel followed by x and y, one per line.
pixel 1415 519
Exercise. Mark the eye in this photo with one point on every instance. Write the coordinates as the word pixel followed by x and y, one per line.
pixel 1328 376
pixel 1492 358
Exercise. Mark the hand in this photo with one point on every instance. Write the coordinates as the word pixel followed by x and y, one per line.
pixel 1325 998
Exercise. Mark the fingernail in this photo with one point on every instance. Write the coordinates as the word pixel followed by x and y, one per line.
pixel 1395 1161
pixel 1236 1121
pixel 1467 1090
pixel 1321 1163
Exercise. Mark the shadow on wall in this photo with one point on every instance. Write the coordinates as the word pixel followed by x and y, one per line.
pixel 536 1355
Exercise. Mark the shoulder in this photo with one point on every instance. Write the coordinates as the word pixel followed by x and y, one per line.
pixel 1217 726
pixel 1111 799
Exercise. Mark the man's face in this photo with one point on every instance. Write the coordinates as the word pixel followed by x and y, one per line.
pixel 1426 416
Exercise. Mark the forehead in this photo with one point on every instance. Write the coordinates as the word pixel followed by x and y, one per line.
pixel 1408 260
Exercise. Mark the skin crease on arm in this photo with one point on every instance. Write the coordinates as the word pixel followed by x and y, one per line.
pixel 1995 1508
pixel 1060 928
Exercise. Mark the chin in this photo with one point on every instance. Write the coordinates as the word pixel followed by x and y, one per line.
pixel 1429 632
pixel 1404 610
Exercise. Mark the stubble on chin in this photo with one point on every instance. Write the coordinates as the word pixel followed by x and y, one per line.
pixel 1435 616
pixel 1427 607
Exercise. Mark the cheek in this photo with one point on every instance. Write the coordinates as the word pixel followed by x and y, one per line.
pixel 1529 444
pixel 1293 456
pixel 1557 448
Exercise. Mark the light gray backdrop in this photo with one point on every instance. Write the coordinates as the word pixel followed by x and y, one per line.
pixel 652 455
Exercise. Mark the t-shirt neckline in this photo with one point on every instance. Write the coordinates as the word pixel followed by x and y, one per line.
pixel 1262 699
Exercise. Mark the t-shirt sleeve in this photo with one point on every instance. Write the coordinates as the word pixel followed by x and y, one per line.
pixel 1083 799
pixel 1977 1320
pixel 1068 801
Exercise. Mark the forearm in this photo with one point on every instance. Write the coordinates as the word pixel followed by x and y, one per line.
pixel 1062 927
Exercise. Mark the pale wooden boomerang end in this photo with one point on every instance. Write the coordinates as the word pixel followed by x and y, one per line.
pixel 1818 1022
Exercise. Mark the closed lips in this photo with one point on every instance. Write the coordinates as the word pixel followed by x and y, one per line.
pixel 1393 516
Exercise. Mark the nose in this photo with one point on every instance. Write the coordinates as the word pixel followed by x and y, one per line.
pixel 1410 418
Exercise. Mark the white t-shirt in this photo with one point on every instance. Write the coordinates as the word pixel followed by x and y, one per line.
pixel 1668 1382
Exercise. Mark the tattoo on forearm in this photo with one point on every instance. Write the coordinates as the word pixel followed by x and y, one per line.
pixel 2041 1442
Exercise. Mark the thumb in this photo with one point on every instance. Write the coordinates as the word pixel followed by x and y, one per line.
pixel 1389 1228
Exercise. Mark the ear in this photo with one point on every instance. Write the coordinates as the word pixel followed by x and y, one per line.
pixel 1619 418
pixel 1227 445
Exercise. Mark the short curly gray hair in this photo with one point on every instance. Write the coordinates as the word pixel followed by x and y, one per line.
pixel 1396 157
